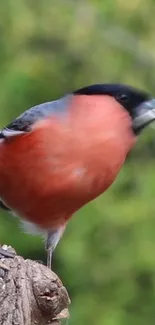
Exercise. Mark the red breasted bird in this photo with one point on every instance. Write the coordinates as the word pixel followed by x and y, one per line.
pixel 58 156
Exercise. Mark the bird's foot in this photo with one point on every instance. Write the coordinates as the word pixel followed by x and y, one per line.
pixel 40 262
pixel 4 252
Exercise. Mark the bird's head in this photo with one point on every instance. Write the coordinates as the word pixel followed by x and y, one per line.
pixel 139 104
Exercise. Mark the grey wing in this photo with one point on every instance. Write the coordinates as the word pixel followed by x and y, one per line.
pixel 24 122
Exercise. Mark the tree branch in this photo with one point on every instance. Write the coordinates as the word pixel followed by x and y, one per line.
pixel 30 293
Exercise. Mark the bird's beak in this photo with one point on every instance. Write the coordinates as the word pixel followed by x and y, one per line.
pixel 144 115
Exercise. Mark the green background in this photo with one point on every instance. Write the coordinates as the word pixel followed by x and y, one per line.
pixel 106 258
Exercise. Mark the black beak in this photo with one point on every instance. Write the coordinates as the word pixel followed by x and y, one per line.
pixel 144 115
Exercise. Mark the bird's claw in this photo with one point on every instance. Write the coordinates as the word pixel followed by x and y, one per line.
pixel 40 262
pixel 4 253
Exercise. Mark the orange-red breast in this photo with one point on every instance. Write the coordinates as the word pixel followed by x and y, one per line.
pixel 58 156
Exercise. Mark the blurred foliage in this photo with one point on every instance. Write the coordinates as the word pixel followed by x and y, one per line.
pixel 47 48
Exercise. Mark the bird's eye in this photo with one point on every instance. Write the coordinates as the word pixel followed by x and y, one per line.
pixel 122 97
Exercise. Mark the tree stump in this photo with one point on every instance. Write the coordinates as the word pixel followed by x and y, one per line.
pixel 30 293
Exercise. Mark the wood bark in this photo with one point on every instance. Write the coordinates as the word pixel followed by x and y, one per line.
pixel 30 293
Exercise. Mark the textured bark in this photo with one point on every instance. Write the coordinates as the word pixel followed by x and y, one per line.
pixel 30 294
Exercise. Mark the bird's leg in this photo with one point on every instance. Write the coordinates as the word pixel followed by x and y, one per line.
pixel 52 240
pixel 49 257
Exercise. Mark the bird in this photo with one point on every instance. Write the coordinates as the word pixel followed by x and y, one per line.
pixel 58 156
